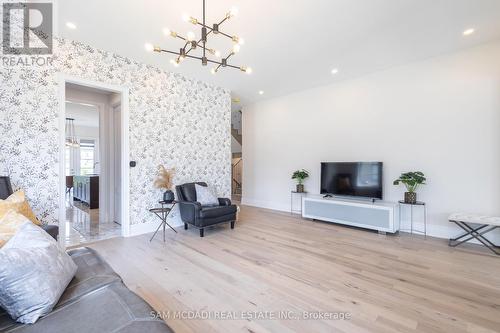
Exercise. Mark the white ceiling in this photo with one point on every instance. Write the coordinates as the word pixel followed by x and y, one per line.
pixel 84 114
pixel 291 45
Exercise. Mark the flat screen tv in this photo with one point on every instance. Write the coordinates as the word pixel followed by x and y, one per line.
pixel 359 179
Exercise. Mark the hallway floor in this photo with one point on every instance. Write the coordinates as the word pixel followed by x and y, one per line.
pixel 82 224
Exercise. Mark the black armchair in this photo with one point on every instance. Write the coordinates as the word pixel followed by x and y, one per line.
pixel 192 212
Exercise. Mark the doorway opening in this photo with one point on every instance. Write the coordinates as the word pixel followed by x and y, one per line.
pixel 95 177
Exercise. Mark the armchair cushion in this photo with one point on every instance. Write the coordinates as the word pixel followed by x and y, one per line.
pixel 208 212
pixel 205 196
pixel 187 192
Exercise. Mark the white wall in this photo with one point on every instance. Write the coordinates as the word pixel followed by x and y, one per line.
pixel 440 116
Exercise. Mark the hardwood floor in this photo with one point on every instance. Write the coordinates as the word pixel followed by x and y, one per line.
pixel 275 262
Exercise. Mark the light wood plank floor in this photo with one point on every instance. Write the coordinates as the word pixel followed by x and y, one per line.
pixel 275 262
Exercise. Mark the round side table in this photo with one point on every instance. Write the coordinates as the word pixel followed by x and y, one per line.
pixel 292 194
pixel 418 204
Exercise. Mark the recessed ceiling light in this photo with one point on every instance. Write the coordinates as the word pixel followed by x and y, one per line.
pixel 261 92
pixel 469 32
pixel 149 47
pixel 335 71
pixel 71 25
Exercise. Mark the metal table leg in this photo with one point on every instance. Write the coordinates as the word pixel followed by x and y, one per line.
pixel 472 232
pixel 411 219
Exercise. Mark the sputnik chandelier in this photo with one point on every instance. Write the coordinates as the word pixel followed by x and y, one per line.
pixel 192 44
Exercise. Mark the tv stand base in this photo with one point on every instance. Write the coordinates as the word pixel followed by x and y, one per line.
pixel 381 216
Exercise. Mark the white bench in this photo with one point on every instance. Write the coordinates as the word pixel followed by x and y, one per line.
pixel 475 227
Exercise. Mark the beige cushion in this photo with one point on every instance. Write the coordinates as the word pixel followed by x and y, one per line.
pixel 17 202
pixel 10 224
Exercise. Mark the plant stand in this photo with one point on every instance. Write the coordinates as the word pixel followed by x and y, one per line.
pixel 292 194
pixel 411 230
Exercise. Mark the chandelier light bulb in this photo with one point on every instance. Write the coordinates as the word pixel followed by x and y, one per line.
pixel 468 32
pixel 149 47
pixel 174 62
pixel 213 71
pixel 185 17
pixel 191 36
pixel 245 69
pixel 167 31
pixel 236 48
pixel 241 41
pixel 217 53
pixel 233 11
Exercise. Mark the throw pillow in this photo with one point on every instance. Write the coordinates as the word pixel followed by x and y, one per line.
pixel 205 196
pixel 17 202
pixel 34 272
pixel 9 224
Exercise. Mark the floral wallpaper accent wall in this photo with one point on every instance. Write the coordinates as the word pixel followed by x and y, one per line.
pixel 175 121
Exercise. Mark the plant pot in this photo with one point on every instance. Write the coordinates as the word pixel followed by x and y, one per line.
pixel 300 188
pixel 168 196
pixel 411 197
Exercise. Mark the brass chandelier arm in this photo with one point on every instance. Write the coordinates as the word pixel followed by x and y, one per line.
pixel 223 20
pixel 211 30
pixel 199 58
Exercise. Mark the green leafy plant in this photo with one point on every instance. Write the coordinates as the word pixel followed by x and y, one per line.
pixel 300 176
pixel 412 180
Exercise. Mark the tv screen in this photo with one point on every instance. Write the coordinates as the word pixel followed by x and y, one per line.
pixel 360 179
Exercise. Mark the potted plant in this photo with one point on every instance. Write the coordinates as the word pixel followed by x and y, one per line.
pixel 412 180
pixel 300 176
pixel 164 181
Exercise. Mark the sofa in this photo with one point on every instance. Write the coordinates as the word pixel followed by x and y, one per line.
pixel 199 216
pixel 96 300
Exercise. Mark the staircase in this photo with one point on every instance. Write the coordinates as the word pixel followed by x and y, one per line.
pixel 236 169
pixel 236 126
pixel 236 176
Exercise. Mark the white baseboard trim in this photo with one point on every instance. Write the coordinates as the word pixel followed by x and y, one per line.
pixel 265 204
pixel 443 230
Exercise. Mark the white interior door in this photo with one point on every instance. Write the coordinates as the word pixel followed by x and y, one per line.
pixel 117 164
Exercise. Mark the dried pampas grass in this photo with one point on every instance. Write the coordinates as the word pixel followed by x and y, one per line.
pixel 164 180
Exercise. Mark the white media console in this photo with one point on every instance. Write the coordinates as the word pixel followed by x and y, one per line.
pixel 379 215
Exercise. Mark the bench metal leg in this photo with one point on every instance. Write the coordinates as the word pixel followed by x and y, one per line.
pixel 473 233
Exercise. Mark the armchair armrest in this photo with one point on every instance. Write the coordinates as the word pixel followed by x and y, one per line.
pixel 224 202
pixel 189 211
